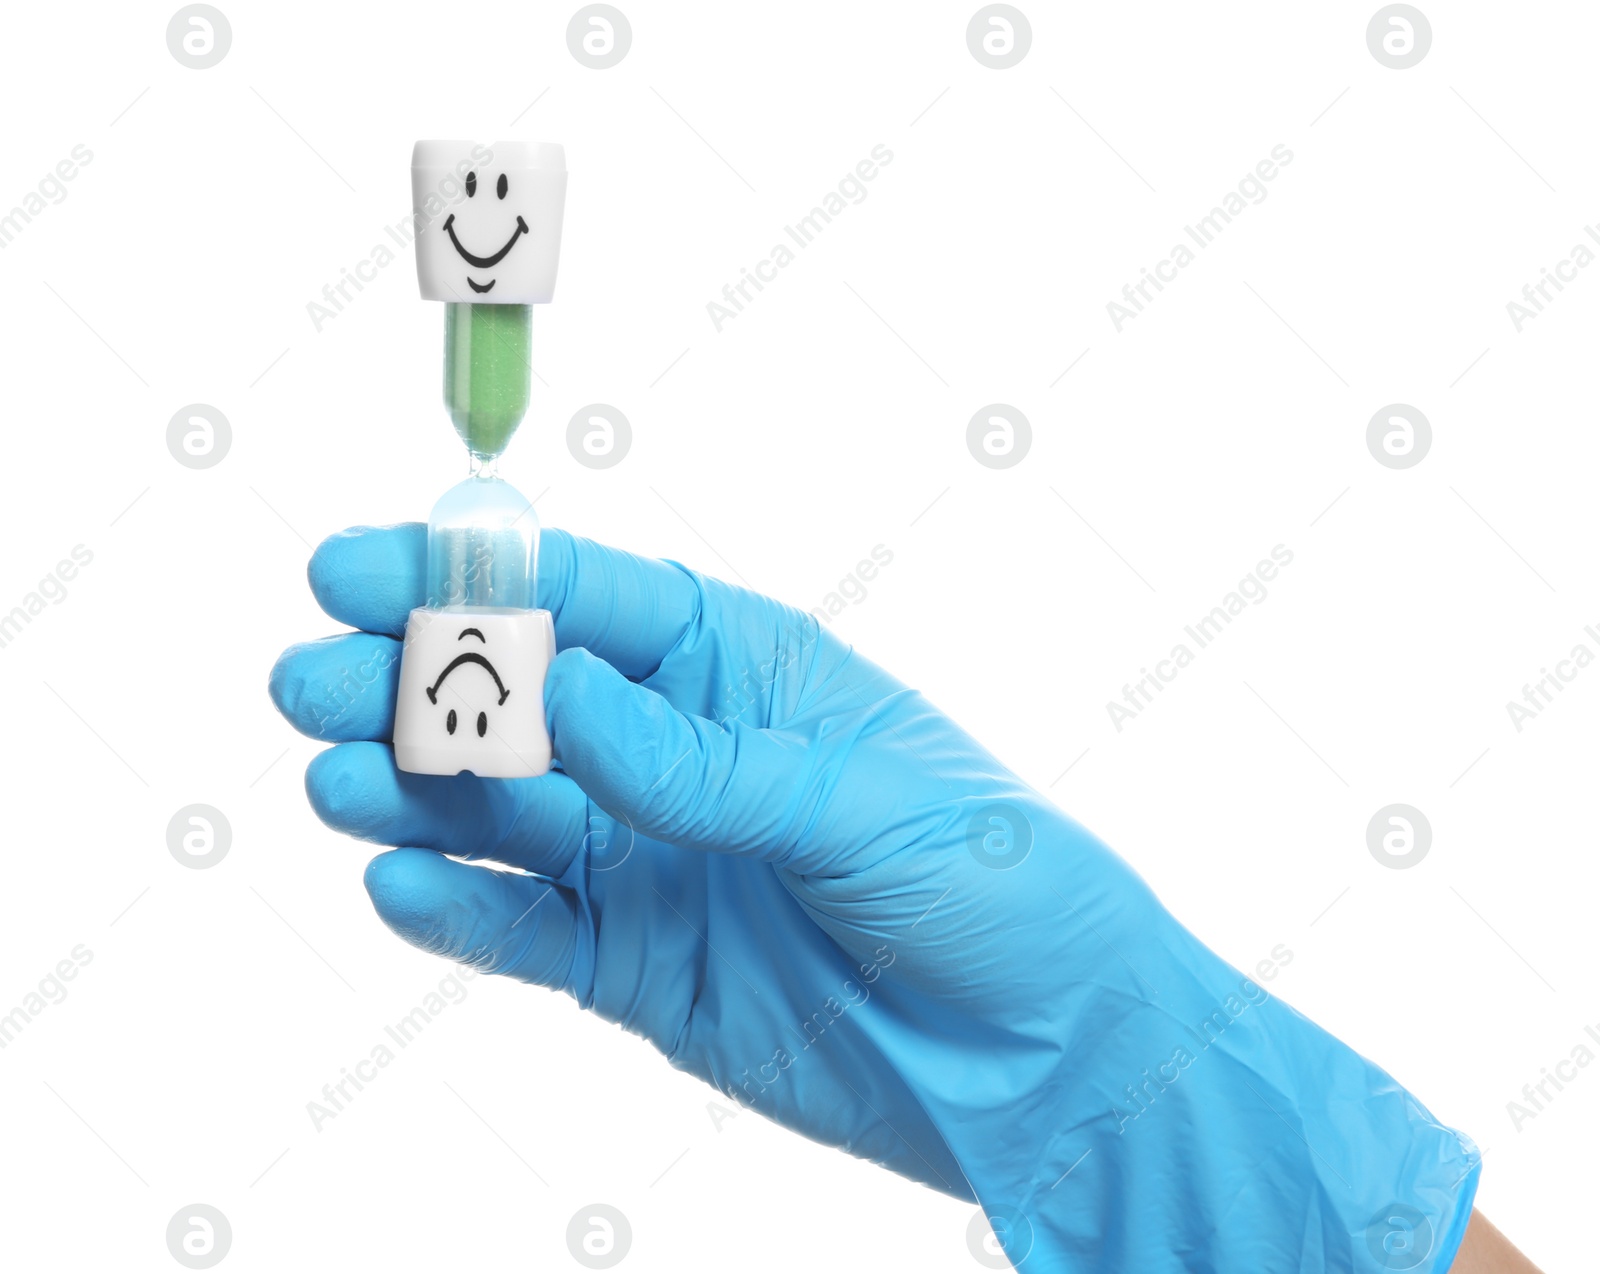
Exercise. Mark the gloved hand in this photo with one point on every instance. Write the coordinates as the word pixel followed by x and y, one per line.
pixel 807 886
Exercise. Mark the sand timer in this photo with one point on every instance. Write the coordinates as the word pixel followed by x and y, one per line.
pixel 488 231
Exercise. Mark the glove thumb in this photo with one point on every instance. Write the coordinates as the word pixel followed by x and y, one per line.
pixel 728 789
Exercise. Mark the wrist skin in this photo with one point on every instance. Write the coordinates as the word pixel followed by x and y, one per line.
pixel 1484 1250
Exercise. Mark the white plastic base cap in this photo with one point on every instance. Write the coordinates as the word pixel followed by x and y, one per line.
pixel 472 692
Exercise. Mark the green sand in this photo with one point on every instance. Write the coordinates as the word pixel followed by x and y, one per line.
pixel 487 369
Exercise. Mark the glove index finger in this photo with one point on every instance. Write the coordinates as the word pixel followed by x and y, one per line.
pixel 371 577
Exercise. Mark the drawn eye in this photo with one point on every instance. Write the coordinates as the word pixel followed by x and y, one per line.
pixel 472 184
pixel 483 724
pixel 501 186
pixel 450 723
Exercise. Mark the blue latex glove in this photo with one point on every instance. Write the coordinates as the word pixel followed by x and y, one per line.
pixel 807 886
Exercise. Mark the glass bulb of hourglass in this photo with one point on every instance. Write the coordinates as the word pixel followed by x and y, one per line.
pixel 483 547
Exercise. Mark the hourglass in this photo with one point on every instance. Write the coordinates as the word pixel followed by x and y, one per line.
pixel 488 237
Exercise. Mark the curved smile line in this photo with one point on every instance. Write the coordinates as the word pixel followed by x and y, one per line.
pixel 484 263
pixel 472 657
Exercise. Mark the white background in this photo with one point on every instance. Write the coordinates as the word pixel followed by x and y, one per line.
pixel 828 418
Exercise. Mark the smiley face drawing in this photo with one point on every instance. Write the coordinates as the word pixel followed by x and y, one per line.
pixel 488 220
pixel 502 187
pixel 468 700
